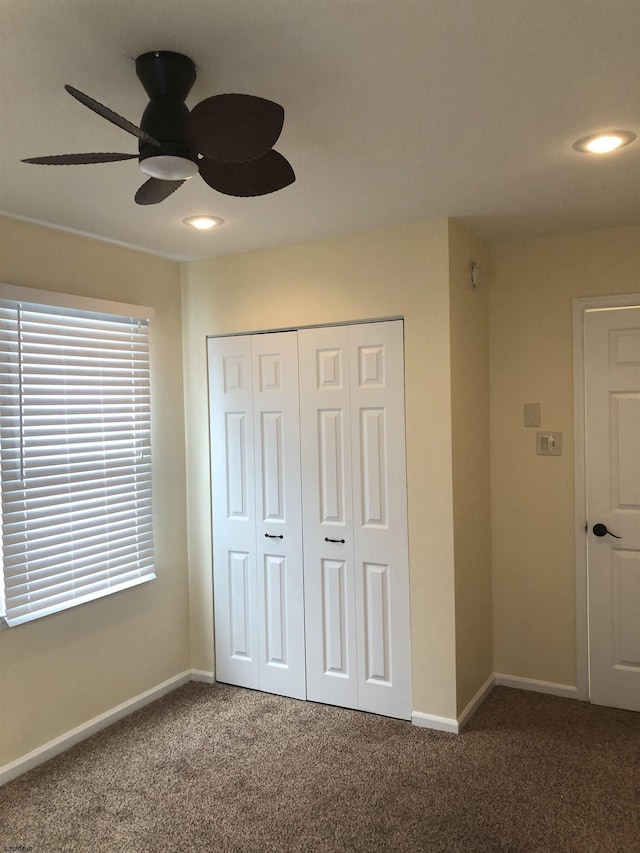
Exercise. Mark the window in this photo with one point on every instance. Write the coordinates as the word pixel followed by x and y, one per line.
pixel 75 458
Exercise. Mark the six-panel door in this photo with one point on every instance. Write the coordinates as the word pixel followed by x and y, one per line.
pixel 612 350
pixel 328 468
pixel 279 569
pixel 380 518
pixel 234 513
pixel 355 517
pixel 258 580
pixel 329 557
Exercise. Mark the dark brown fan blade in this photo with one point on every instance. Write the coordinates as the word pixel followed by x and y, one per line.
pixel 154 191
pixel 114 118
pixel 267 174
pixel 234 128
pixel 78 159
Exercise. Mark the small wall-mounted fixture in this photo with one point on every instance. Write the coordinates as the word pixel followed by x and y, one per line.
pixel 549 443
pixel 475 277
pixel 604 143
pixel 203 221
pixel 532 414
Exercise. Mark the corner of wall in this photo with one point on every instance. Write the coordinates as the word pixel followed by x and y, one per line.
pixel 533 504
pixel 194 333
pixel 469 341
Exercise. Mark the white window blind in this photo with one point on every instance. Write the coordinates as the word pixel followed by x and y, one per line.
pixel 75 461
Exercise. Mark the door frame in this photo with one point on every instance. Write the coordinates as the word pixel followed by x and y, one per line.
pixel 358 322
pixel 580 307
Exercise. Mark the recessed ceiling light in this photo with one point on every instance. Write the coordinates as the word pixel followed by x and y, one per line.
pixel 603 143
pixel 203 222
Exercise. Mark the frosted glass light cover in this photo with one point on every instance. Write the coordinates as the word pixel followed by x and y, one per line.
pixel 167 167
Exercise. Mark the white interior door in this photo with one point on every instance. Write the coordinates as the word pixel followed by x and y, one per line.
pixel 280 590
pixel 355 517
pixel 234 518
pixel 325 426
pixel 380 518
pixel 612 427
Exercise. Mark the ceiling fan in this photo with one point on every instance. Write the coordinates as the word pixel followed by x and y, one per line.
pixel 227 138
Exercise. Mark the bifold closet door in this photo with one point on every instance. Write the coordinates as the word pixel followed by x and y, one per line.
pixel 276 430
pixel 380 518
pixel 355 517
pixel 258 576
pixel 234 516
pixel 329 577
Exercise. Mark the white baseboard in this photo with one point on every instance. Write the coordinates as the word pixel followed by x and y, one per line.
pixel 68 739
pixel 449 724
pixel 432 721
pixel 566 690
pixel 475 703
pixel 203 676
pixel 418 718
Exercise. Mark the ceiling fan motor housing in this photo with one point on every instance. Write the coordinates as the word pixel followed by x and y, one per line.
pixel 167 78
pixel 165 74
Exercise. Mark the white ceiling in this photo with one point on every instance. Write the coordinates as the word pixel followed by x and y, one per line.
pixel 396 110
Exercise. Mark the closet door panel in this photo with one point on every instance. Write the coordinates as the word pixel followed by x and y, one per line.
pixel 380 518
pixel 325 426
pixel 234 551
pixel 280 588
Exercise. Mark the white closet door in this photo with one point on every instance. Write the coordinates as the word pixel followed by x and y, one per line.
pixel 327 513
pixel 380 518
pixel 280 618
pixel 328 454
pixel 234 522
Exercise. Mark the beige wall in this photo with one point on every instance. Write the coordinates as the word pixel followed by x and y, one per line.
pixel 401 271
pixel 532 287
pixel 60 671
pixel 471 477
pixel 83 662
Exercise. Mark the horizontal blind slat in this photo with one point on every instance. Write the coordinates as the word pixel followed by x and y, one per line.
pixel 66 552
pixel 75 467
pixel 27 613
pixel 39 585
pixel 46 530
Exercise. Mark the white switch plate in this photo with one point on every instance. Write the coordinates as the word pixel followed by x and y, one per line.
pixel 549 443
pixel 532 414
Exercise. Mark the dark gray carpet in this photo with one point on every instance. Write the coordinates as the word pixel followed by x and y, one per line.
pixel 224 769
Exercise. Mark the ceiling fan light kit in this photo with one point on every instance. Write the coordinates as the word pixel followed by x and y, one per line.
pixel 168 167
pixel 227 138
